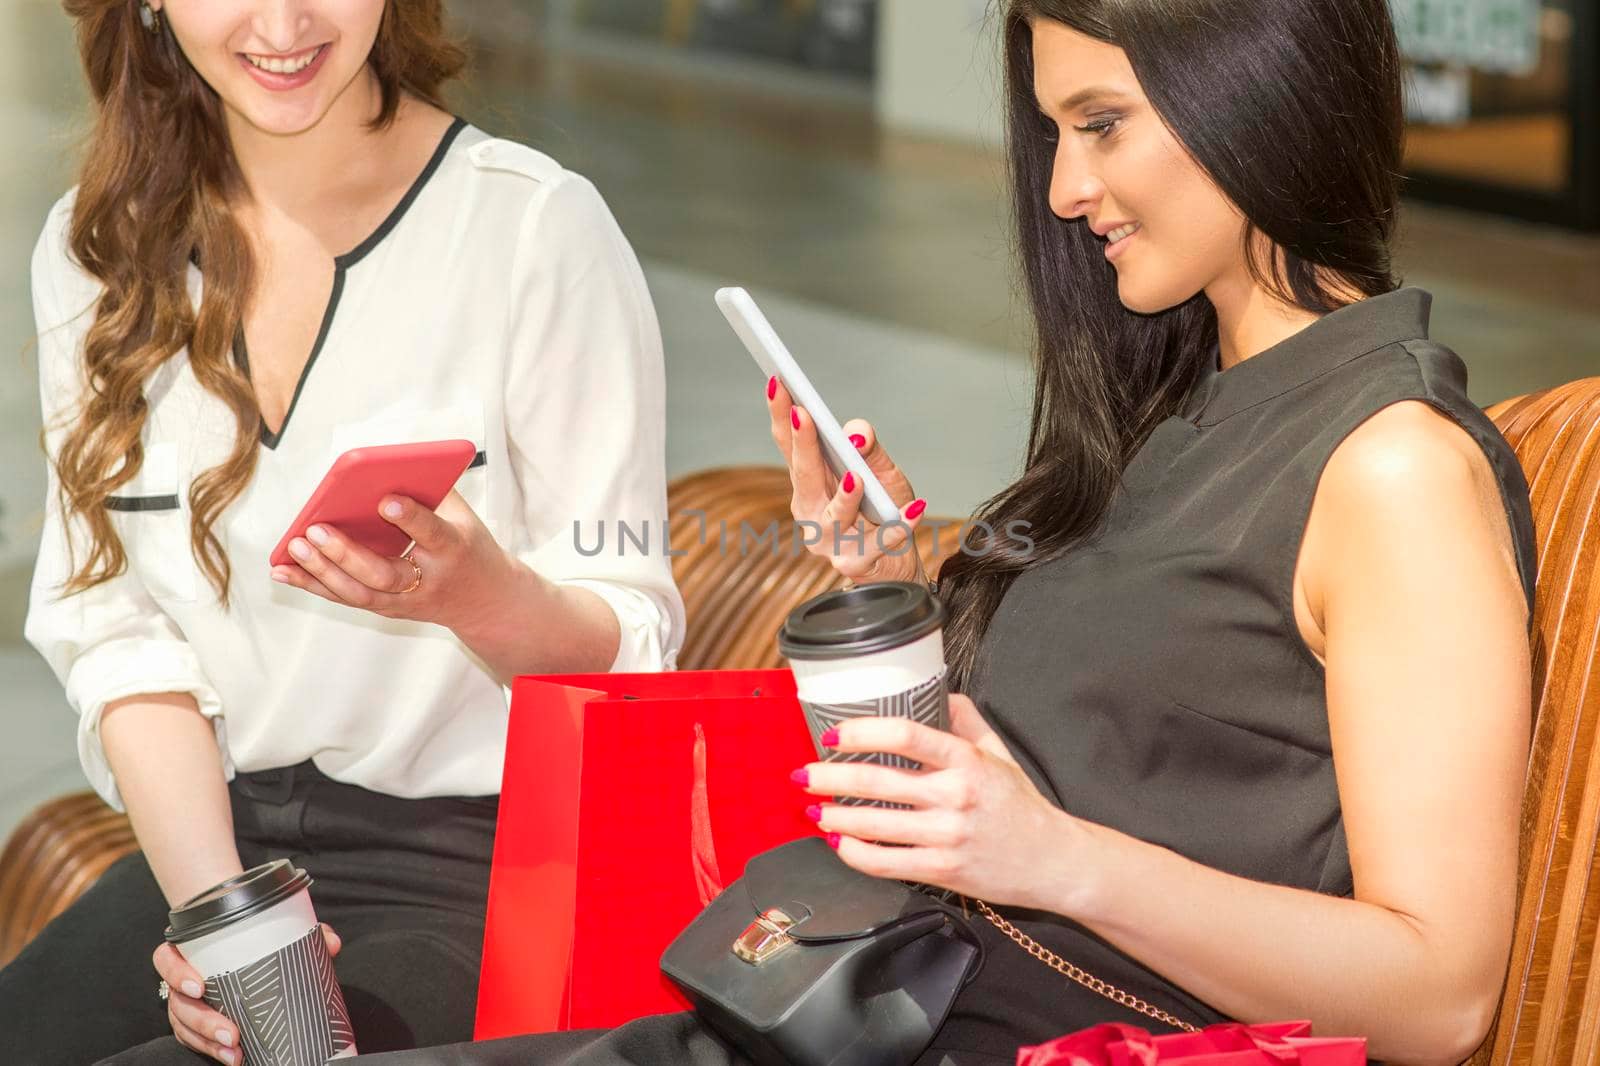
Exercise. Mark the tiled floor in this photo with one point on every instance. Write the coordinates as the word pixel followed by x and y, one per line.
pixel 883 260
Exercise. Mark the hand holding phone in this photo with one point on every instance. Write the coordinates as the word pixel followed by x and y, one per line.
pixel 348 496
pixel 772 355
pixel 884 554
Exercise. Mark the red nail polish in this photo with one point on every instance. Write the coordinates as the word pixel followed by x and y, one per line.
pixel 772 386
pixel 830 737
pixel 833 841
pixel 849 484
pixel 814 812
pixel 794 416
pixel 858 440
pixel 916 509
pixel 801 777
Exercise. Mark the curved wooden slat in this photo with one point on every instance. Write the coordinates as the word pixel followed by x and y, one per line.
pixel 51 859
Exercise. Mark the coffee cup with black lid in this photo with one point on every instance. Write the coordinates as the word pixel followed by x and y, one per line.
pixel 256 941
pixel 868 652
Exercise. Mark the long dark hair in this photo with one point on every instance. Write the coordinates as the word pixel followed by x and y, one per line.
pixel 154 188
pixel 1293 107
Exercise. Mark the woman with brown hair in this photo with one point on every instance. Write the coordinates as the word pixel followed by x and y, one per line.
pixel 283 246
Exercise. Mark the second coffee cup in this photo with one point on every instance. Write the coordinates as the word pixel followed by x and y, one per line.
pixel 868 652
pixel 256 941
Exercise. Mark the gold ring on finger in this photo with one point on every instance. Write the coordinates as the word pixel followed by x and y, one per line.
pixel 417 581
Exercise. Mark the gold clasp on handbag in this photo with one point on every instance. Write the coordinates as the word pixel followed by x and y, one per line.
pixel 764 937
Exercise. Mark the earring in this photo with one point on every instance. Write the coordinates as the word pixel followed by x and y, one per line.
pixel 149 17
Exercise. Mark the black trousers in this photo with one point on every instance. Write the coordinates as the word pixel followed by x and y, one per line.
pixel 403 882
pixel 658 1040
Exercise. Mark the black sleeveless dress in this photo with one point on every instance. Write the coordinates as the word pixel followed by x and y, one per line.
pixel 1154 680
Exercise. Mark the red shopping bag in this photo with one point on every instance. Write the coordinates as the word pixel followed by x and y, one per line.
pixel 1224 1044
pixel 628 801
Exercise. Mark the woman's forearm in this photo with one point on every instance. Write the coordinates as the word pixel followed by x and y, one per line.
pixel 163 754
pixel 539 627
pixel 1263 952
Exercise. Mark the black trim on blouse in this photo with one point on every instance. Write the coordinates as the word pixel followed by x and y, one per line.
pixel 141 503
pixel 341 263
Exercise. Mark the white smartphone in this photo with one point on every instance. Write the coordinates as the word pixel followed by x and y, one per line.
pixel 769 352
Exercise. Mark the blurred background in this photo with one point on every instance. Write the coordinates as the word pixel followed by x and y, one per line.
pixel 840 158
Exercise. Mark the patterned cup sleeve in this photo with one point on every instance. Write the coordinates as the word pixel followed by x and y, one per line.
pixel 927 703
pixel 288 1005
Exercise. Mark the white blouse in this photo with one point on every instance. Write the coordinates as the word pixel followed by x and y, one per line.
pixel 498 302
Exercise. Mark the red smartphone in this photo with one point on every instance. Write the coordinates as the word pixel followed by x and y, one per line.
pixel 348 497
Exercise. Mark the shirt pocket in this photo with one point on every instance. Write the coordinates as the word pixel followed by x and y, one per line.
pixel 458 421
pixel 151 516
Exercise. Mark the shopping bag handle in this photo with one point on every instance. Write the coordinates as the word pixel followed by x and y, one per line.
pixel 1090 1047
pixel 1223 1037
pixel 702 845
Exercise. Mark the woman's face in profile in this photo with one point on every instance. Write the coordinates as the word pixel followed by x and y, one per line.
pixel 277 65
pixel 1168 230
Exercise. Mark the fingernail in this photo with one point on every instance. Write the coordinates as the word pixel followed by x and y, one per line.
pixel 192 990
pixel 392 510
pixel 224 1038
pixel 858 440
pixel 801 777
pixel 299 549
pixel 794 416
pixel 849 482
pixel 830 737
pixel 814 812
pixel 317 535
pixel 916 508
pixel 230 1057
pixel 772 386
pixel 833 841
pixel 280 577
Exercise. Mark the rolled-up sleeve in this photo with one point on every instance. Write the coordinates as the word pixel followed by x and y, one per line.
pixel 586 419
pixel 113 640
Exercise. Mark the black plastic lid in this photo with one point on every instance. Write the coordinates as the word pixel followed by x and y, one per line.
pixel 850 622
pixel 238 897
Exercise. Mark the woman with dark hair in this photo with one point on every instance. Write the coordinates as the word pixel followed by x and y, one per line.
pixel 1244 733
pixel 283 246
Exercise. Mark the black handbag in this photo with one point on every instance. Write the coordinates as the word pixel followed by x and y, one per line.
pixel 806 962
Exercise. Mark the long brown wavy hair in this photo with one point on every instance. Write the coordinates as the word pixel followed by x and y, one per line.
pixel 156 182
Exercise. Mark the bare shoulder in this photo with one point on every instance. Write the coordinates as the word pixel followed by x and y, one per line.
pixel 1407 477
pixel 1412 457
pixel 1408 442
pixel 1411 463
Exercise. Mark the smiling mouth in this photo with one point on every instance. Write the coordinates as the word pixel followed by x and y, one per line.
pixel 1122 233
pixel 285 64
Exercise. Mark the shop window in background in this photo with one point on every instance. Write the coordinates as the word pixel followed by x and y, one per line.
pixel 836 36
pixel 1494 97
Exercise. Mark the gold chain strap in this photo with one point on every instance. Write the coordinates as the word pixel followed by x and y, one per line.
pixel 1083 977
